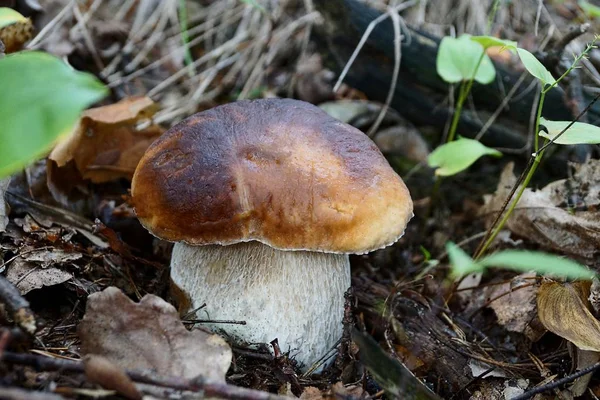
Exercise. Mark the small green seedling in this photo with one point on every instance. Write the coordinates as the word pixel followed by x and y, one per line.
pixel 40 100
pixel 559 132
pixel 517 260
pixel 454 157
pixel 462 59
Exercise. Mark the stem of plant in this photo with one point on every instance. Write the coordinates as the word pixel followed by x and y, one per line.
pixel 498 225
pixel 185 36
pixel 510 210
pixel 463 93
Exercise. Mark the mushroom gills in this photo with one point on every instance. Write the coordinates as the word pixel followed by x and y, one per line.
pixel 294 296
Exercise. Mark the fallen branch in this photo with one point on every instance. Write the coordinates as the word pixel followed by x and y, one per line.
pixel 17 306
pixel 197 385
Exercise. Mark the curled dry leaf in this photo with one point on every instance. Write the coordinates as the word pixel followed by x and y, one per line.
pixel 108 375
pixel 149 335
pixel 564 310
pixel 564 215
pixel 105 145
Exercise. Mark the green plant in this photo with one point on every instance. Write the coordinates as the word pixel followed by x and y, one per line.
pixel 517 260
pixel 559 132
pixel 40 100
pixel 464 60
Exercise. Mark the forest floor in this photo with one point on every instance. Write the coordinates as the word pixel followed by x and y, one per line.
pixel 67 230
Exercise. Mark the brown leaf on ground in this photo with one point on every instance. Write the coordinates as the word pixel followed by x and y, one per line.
pixel 564 215
pixel 106 374
pixel 105 145
pixel 27 276
pixel 336 391
pixel 150 335
pixel 515 305
pixel 563 308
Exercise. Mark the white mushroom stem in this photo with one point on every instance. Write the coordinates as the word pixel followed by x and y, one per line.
pixel 294 296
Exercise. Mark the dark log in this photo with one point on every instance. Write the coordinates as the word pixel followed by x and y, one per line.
pixel 420 93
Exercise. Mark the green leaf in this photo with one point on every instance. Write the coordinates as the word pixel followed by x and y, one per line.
pixel 8 16
pixel 460 261
pixel 542 263
pixel 490 41
pixel 40 100
pixel 517 260
pixel 454 157
pixel 578 133
pixel 457 60
pixel 589 9
pixel 535 67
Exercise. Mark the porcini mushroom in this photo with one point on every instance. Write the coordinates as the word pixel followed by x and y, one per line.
pixel 264 200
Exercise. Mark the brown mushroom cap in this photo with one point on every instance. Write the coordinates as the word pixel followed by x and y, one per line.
pixel 278 171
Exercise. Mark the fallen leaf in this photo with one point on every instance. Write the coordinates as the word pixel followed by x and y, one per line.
pixel 515 305
pixel 48 257
pixel 106 374
pixel 27 276
pixel 583 359
pixel 4 210
pixel 564 310
pixel 478 368
pixel 105 145
pixel 403 140
pixel 564 215
pixel 359 113
pixel 149 335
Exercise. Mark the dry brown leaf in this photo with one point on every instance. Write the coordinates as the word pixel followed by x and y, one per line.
pixel 515 305
pixel 27 276
pixel 403 140
pixel 564 310
pixel 105 145
pixel 544 217
pixel 106 374
pixel 149 335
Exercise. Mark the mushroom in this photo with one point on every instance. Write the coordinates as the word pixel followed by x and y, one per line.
pixel 264 200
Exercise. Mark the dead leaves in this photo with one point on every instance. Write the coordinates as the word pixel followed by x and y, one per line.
pixel 106 145
pixel 562 310
pixel 36 268
pixel 562 216
pixel 150 335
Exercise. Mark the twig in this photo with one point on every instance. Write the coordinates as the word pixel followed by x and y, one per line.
pixel 209 389
pixel 560 382
pixel 21 394
pixel 17 305
pixel 213 321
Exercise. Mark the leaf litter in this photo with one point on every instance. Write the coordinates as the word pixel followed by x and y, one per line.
pixel 139 50
pixel 149 335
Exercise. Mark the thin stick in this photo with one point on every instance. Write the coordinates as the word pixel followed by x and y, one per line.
pixel 364 38
pixel 209 389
